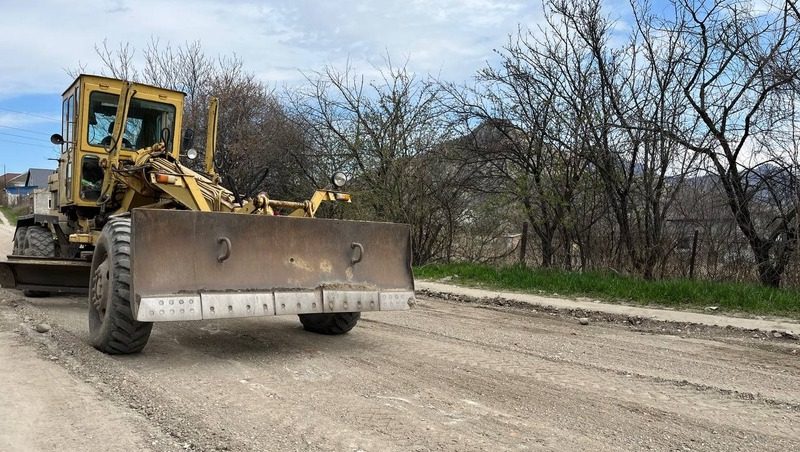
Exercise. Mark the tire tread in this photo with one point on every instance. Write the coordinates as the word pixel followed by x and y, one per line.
pixel 126 335
pixel 39 242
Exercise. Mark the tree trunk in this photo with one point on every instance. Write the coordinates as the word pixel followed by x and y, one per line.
pixel 547 251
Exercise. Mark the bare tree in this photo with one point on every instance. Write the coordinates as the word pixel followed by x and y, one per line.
pixel 738 71
pixel 641 169
pixel 119 62
pixel 388 133
pixel 516 107
pixel 564 108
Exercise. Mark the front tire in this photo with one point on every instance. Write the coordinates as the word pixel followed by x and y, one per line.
pixel 112 327
pixel 332 323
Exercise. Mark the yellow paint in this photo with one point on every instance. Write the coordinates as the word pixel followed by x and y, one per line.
pixel 88 239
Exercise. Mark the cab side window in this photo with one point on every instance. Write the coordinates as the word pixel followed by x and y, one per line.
pixel 91 177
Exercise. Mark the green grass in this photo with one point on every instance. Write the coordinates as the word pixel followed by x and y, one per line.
pixel 9 213
pixel 677 293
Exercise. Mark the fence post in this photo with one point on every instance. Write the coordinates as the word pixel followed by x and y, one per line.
pixel 694 254
pixel 523 244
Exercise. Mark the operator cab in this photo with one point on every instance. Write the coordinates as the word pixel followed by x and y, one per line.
pixel 88 120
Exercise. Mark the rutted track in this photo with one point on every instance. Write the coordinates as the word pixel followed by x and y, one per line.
pixel 443 376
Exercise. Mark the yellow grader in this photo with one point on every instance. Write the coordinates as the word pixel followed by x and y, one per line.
pixel 151 240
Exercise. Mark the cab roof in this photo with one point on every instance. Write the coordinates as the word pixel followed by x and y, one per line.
pixel 114 81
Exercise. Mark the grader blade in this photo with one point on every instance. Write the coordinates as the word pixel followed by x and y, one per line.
pixel 200 265
pixel 45 274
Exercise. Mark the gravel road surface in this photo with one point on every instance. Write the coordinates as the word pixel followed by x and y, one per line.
pixel 443 376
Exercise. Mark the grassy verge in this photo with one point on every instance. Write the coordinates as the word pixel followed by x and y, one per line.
pixel 678 293
pixel 9 213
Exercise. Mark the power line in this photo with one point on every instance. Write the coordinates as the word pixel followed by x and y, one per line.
pixel 22 136
pixel 36 115
pixel 37 132
pixel 3 140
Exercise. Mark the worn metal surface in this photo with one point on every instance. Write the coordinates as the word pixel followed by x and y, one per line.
pixel 350 300
pixel 231 305
pixel 228 305
pixel 166 308
pixel 44 273
pixel 396 301
pixel 176 252
pixel 297 303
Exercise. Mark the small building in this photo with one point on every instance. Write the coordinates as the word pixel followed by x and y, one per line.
pixel 8 180
pixel 21 188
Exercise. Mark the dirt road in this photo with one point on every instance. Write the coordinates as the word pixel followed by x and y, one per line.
pixel 444 376
pixel 441 377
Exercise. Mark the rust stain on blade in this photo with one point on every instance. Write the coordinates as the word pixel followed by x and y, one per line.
pixel 301 264
pixel 325 266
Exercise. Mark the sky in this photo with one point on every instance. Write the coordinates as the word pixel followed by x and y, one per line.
pixel 278 40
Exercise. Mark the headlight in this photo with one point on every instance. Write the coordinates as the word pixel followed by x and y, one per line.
pixel 339 179
pixel 191 154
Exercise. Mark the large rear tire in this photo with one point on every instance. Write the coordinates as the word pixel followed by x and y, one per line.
pixel 37 242
pixel 333 323
pixel 19 241
pixel 112 327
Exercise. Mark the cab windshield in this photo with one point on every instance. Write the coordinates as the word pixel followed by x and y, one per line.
pixel 143 128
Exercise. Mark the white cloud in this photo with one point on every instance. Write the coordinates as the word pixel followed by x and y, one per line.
pixel 276 39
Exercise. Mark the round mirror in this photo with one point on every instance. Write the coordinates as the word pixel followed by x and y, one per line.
pixel 56 139
pixel 339 179
pixel 191 154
